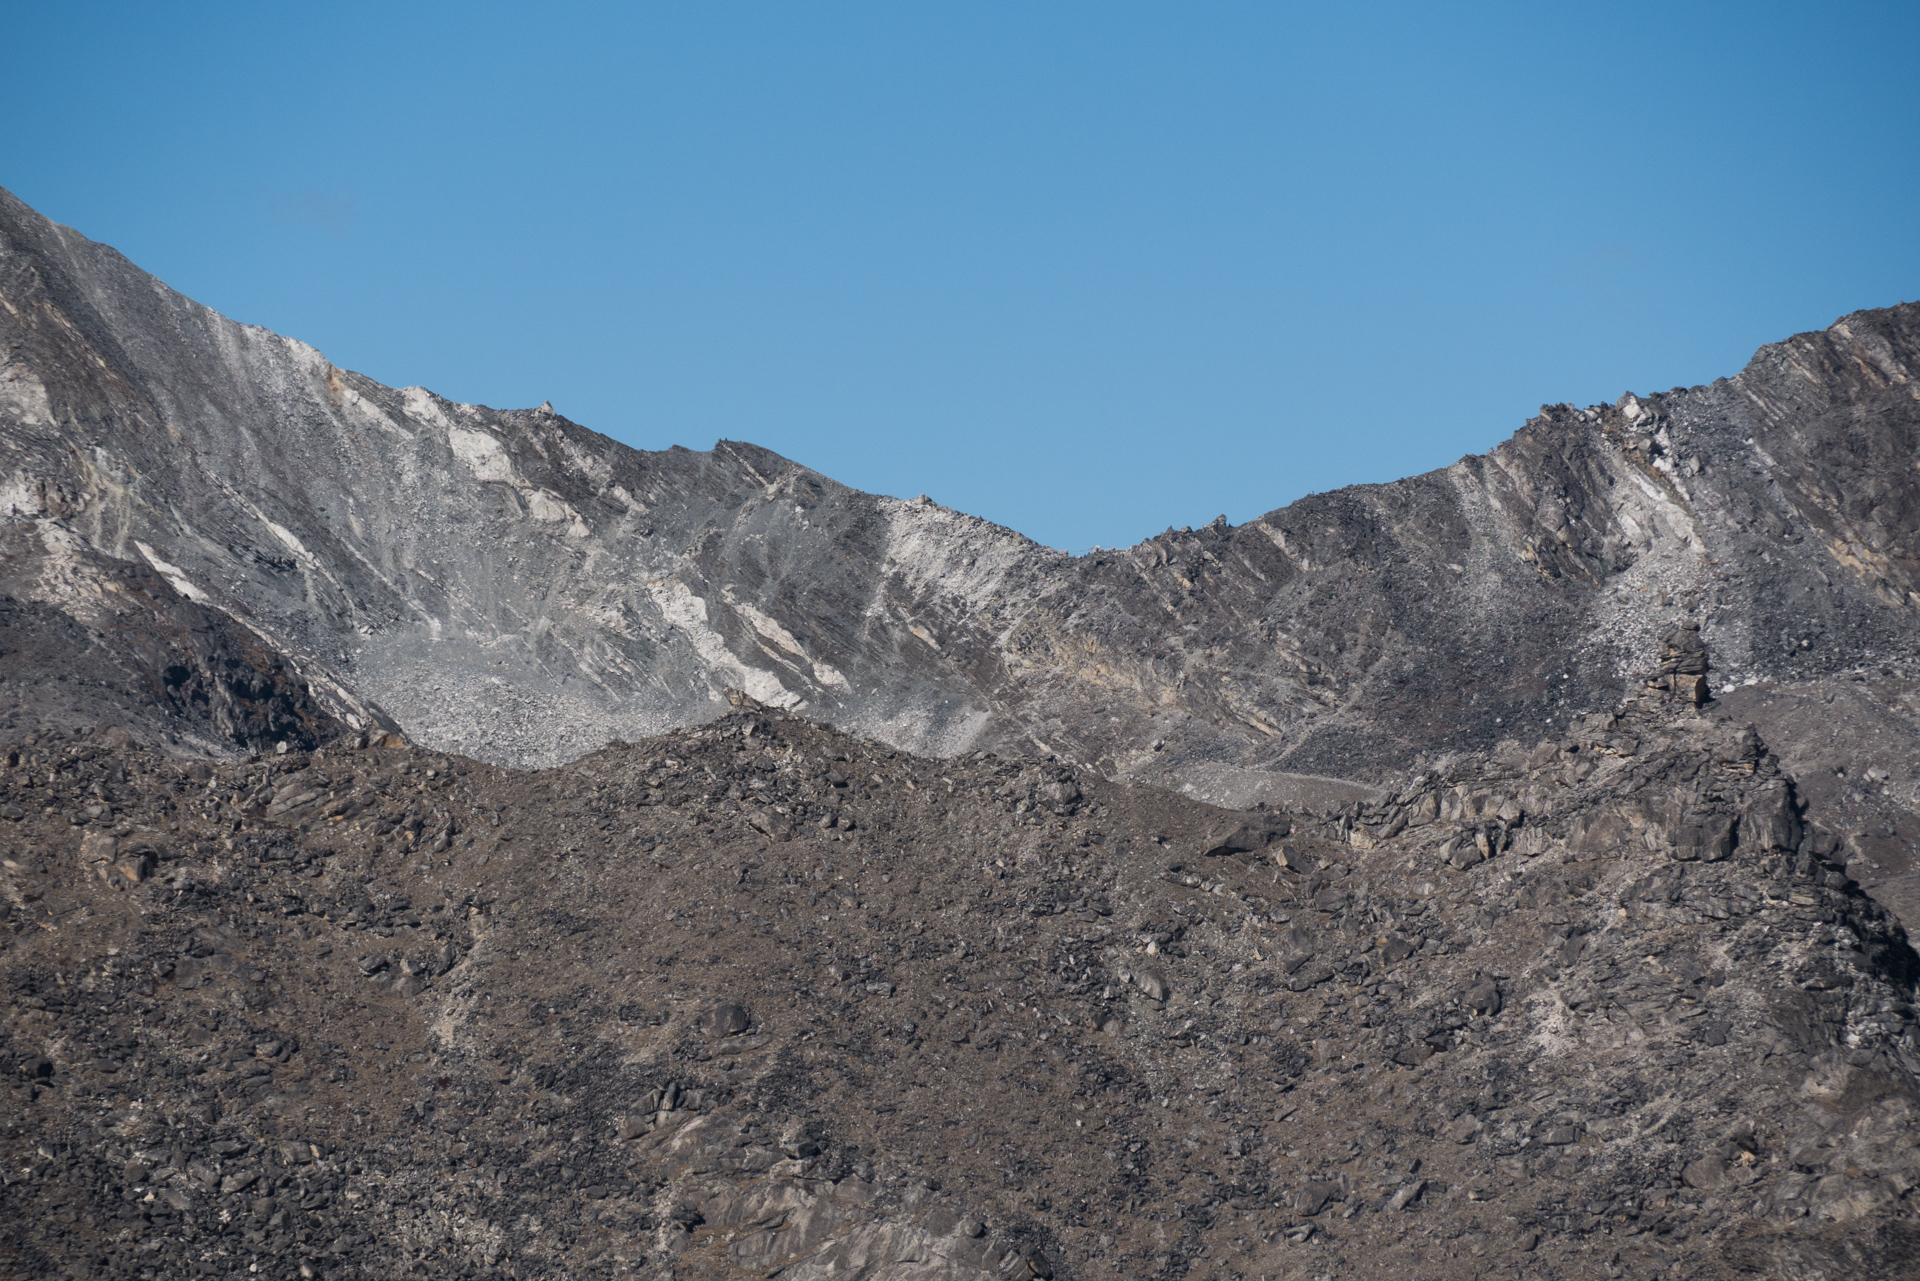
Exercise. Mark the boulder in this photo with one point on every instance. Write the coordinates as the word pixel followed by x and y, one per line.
pixel 1683 666
pixel 1152 982
pixel 1248 838
pixel 1313 1198
pixel 723 1021
pixel 97 849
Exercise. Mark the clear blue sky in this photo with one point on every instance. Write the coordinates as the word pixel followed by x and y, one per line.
pixel 1085 269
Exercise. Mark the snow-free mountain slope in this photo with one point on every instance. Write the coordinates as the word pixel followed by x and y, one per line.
pixel 1484 970
pixel 513 585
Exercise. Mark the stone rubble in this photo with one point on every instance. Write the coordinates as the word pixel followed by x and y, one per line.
pixel 759 997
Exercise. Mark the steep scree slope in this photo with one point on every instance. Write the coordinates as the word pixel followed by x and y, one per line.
pixel 514 586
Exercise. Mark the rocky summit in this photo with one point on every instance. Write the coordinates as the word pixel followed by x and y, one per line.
pixel 710 871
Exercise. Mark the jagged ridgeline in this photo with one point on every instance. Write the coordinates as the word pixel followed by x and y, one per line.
pixel 442 841
pixel 508 584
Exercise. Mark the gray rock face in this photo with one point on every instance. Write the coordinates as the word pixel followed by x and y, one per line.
pixel 514 586
pixel 90 639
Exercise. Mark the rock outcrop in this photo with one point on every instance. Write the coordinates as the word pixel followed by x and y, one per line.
pixel 89 639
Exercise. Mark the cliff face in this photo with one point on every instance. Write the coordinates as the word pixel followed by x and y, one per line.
pixel 509 584
pixel 88 639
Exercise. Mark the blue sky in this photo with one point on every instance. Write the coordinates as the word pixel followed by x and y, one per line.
pixel 1088 270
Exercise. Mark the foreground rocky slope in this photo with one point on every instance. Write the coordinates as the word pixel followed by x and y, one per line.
pixel 760 998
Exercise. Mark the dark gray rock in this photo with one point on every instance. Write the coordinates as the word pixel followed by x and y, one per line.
pixel 724 1020
pixel 1247 838
pixel 1309 975
pixel 1315 1196
pixel 1152 983
pixel 1706 1173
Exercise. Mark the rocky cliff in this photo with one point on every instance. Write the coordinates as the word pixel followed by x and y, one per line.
pixel 512 584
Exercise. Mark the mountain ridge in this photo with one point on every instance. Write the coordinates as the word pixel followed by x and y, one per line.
pixel 509 584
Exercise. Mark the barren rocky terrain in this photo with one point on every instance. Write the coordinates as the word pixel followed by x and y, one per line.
pixel 760 997
pixel 442 841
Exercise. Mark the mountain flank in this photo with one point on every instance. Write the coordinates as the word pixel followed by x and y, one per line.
pixel 438 840
pixel 529 567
